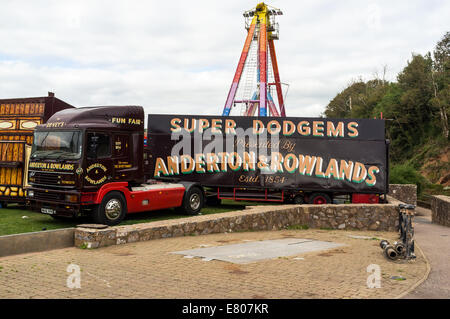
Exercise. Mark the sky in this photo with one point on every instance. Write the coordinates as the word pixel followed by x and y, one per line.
pixel 179 57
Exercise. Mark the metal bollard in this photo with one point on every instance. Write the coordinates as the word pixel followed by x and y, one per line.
pixel 404 248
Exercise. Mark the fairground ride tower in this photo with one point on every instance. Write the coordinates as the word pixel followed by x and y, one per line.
pixel 259 68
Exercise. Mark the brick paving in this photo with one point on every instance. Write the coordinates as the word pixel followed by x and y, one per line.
pixel 148 270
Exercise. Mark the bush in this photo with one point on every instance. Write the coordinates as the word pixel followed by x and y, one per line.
pixel 406 174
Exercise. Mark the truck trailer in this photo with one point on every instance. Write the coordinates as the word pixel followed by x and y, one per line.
pixel 18 118
pixel 92 161
pixel 274 159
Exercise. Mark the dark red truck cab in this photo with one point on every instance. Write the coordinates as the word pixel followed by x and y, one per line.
pixel 91 161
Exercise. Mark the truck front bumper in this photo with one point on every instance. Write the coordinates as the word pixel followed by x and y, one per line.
pixel 53 202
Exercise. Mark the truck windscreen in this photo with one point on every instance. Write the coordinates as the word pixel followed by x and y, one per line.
pixel 57 144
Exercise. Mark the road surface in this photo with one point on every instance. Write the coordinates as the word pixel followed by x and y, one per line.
pixel 435 243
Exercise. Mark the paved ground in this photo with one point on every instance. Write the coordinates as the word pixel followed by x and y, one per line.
pixel 149 270
pixel 435 242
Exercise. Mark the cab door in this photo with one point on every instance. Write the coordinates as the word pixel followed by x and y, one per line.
pixel 99 164
pixel 124 170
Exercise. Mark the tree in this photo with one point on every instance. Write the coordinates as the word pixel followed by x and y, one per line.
pixel 415 80
pixel 441 53
pixel 441 81
pixel 358 100
pixel 416 107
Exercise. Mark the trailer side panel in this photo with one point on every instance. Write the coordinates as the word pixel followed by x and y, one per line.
pixel 313 154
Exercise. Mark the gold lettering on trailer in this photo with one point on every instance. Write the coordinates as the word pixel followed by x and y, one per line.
pixel 314 166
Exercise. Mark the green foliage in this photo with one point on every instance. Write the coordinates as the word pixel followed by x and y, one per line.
pixel 406 174
pixel 416 107
pixel 358 100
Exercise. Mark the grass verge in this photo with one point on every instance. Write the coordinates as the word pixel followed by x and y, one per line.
pixel 16 219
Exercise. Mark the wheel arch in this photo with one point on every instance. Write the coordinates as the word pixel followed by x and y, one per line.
pixel 120 187
pixel 189 185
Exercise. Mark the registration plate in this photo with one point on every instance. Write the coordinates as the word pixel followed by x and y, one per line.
pixel 48 211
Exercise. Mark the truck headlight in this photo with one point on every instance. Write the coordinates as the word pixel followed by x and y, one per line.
pixel 71 198
pixel 30 193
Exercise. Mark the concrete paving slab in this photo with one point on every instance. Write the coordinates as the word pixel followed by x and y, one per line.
pixel 359 237
pixel 259 250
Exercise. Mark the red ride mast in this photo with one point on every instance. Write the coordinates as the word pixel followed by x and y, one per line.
pixel 262 31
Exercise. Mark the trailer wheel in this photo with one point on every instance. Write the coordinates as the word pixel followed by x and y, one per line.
pixel 319 198
pixel 112 209
pixel 193 201
pixel 299 199
pixel 213 201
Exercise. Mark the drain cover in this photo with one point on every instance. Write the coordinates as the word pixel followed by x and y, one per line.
pixel 259 250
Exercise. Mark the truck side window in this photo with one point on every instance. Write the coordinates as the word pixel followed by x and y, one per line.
pixel 98 145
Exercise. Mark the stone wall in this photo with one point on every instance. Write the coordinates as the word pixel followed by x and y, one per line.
pixel 440 210
pixel 406 193
pixel 383 217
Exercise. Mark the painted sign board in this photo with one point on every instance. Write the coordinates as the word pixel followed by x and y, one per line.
pixel 339 155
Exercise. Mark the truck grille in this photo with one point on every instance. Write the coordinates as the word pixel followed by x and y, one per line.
pixel 45 179
pixel 51 196
pixel 52 180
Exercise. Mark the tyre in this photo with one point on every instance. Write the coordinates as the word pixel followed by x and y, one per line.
pixel 193 201
pixel 112 209
pixel 213 201
pixel 319 198
pixel 298 199
pixel 3 205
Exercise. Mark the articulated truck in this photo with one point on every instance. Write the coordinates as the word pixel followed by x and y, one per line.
pixel 18 118
pixel 93 161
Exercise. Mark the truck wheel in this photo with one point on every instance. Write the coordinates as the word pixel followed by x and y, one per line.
pixel 112 209
pixel 193 201
pixel 319 198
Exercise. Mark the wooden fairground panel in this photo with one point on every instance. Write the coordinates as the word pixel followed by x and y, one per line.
pixel 18 118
